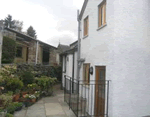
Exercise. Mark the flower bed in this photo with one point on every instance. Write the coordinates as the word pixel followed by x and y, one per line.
pixel 18 89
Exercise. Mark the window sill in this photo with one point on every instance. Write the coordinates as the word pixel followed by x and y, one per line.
pixel 101 27
pixel 85 36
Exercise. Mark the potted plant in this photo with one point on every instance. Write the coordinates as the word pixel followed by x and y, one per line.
pixel 32 87
pixel 33 98
pixel 24 91
pixel 18 106
pixel 37 94
pixel 27 101
pixel 11 108
pixel 17 95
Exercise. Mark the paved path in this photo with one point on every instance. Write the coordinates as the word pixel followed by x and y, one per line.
pixel 53 106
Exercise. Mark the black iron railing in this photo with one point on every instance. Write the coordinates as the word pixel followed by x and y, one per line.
pixel 87 99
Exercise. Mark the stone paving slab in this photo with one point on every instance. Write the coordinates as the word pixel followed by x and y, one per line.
pixel 54 109
pixel 53 106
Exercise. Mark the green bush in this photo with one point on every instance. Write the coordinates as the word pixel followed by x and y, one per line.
pixel 11 108
pixel 13 83
pixel 9 50
pixel 9 115
pixel 5 99
pixel 27 77
pixel 45 82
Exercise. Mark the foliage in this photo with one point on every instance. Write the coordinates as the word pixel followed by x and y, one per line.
pixel 31 32
pixel 41 70
pixel 37 94
pixel 13 84
pixel 17 91
pixel 11 108
pixel 45 82
pixel 9 22
pixel 9 115
pixel 5 99
pixel 30 96
pixel 27 77
pixel 32 86
pixel 9 50
pixel 17 104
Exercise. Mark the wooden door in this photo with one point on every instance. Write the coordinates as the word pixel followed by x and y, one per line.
pixel 100 91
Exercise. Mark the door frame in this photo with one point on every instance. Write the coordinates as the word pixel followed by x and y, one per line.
pixel 97 94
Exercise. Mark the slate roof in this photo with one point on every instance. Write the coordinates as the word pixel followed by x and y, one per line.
pixel 63 48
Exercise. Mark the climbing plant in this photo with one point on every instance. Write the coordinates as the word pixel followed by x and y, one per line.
pixel 8 50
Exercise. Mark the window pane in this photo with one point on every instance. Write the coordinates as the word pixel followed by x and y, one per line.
pixel 19 52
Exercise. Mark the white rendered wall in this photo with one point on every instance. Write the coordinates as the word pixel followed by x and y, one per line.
pixel 123 46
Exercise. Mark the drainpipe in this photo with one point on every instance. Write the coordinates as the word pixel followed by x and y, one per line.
pixel 1 44
pixel 37 49
pixel 78 54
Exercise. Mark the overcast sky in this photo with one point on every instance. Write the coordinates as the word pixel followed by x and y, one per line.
pixel 53 20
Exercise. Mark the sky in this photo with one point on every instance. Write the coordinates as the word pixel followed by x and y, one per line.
pixel 54 20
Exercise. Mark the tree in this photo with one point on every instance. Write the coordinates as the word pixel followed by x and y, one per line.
pixel 31 32
pixel 9 23
pixel 18 25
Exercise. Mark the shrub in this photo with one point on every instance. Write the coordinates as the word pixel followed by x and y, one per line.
pixel 9 50
pixel 11 108
pixel 5 99
pixel 45 82
pixel 9 115
pixel 13 83
pixel 27 77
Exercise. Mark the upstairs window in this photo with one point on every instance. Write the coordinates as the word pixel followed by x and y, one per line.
pixel 19 52
pixel 86 75
pixel 102 14
pixel 86 26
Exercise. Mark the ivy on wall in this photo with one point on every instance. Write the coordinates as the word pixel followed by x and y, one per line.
pixel 8 50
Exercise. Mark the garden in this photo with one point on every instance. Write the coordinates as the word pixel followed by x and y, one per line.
pixel 23 85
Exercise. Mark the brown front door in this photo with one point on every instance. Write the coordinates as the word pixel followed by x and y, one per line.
pixel 100 92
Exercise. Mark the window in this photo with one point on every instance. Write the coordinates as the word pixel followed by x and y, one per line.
pixel 86 26
pixel 102 14
pixel 86 75
pixel 19 52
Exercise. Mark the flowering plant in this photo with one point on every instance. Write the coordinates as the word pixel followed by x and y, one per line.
pixel 37 93
pixel 32 96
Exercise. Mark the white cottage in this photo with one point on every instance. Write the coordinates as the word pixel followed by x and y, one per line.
pixel 115 46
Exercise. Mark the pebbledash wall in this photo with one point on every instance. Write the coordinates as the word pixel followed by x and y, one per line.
pixel 123 46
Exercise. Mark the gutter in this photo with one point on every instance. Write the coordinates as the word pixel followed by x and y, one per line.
pixel 78 52
pixel 79 59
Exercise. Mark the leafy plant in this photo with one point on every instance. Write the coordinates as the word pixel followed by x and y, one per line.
pixel 37 94
pixel 11 108
pixel 9 115
pixel 9 50
pixel 17 91
pixel 27 77
pixel 32 86
pixel 13 84
pixel 30 96
pixel 5 99
pixel 46 83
